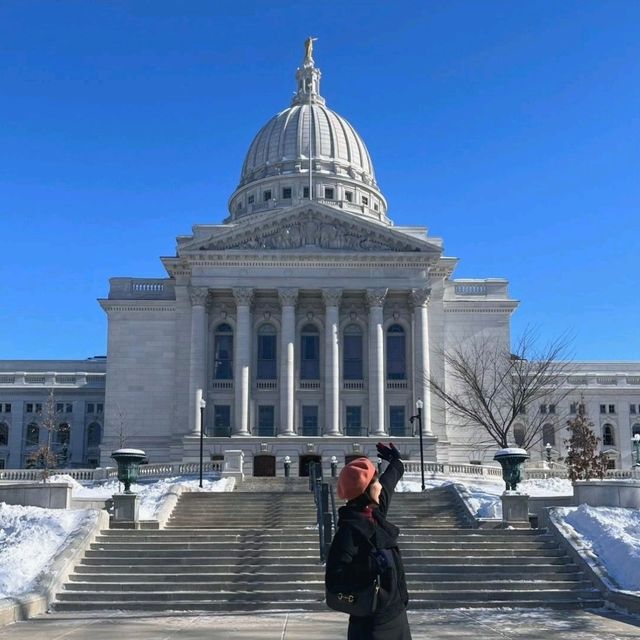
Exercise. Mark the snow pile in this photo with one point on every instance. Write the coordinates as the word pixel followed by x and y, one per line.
pixel 30 537
pixel 613 535
pixel 151 495
pixel 548 487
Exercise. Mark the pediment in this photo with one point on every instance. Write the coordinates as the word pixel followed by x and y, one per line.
pixel 310 228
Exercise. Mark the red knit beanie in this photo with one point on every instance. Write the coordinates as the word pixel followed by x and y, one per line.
pixel 354 478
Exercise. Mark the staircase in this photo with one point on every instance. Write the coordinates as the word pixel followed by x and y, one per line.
pixel 448 564
pixel 248 551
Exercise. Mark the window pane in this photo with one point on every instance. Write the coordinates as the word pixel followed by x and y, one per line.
pixel 353 425
pixel 63 433
pixel 309 354
pixel 548 435
pixel 266 420
pixel 4 435
pixel 397 422
pixel 33 434
pixel 93 435
pixel 396 353
pixel 221 420
pixel 352 357
pixel 223 357
pixel 267 357
pixel 309 420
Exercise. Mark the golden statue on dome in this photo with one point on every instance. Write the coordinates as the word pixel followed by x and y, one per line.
pixel 308 49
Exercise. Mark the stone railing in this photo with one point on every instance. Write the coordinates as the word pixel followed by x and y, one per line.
pixel 103 473
pixel 454 469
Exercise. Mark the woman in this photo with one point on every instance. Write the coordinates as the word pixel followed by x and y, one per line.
pixel 366 545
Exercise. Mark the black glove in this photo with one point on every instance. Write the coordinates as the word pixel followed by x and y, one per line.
pixel 387 453
pixel 382 560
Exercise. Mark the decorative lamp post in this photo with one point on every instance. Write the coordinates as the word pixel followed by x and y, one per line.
pixel 418 417
pixel 547 448
pixel 636 448
pixel 203 404
pixel 128 461
pixel 334 466
pixel 287 466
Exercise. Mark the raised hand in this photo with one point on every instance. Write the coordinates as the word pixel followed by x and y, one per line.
pixel 387 453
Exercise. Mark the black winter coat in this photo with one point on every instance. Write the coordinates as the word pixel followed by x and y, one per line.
pixel 350 566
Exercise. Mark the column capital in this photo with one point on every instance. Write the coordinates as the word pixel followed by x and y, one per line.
pixel 331 297
pixel 199 296
pixel 375 297
pixel 243 295
pixel 419 297
pixel 288 296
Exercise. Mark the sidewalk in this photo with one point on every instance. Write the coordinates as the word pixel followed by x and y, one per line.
pixel 461 624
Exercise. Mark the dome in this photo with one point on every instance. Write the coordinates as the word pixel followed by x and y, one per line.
pixel 278 173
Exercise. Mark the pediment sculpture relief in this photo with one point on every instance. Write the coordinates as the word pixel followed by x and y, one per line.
pixel 311 232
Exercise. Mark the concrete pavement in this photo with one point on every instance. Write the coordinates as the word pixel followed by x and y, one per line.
pixel 461 624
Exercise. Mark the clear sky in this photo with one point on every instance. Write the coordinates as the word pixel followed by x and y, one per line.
pixel 509 128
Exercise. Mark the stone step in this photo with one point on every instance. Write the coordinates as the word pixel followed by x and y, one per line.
pixel 102 565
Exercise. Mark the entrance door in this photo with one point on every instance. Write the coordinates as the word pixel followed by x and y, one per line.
pixel 304 464
pixel 264 466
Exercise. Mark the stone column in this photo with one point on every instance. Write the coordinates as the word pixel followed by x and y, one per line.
pixel 422 368
pixel 332 362
pixel 242 359
pixel 288 299
pixel 197 363
pixel 375 300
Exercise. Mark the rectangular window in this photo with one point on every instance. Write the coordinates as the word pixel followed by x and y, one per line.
pixel 353 426
pixel 552 408
pixel 68 407
pixel 543 408
pixel 99 407
pixel 267 347
pixel 266 196
pixel 29 408
pixel 38 407
pixel 612 408
pixel 328 193
pixel 2 463
pixel 348 196
pixel 59 407
pixel 286 193
pixel 365 200
pixel 376 207
pixel 632 408
pixel 352 357
pixel 305 192
pixel 7 408
pixel 397 422
pixel 310 357
pixel 91 407
pixel 251 199
pixel 223 357
pixel 603 408
pixel 310 420
pixel 266 420
pixel 573 407
pixel 221 420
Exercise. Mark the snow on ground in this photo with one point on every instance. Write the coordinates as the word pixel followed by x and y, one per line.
pixel 30 537
pixel 613 535
pixel 151 494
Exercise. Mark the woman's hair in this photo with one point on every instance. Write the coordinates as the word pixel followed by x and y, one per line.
pixel 364 499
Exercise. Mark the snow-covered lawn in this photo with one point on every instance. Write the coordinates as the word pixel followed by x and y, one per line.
pixel 612 535
pixel 30 537
pixel 151 494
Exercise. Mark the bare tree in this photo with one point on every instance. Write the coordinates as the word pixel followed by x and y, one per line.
pixel 490 387
pixel 45 457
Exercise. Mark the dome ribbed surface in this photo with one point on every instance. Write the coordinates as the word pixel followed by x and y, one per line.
pixel 285 140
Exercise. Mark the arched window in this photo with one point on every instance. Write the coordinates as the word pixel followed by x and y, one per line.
pixel 63 433
pixel 309 353
pixel 223 352
pixel 549 435
pixel 267 350
pixel 4 435
pixel 635 429
pixel 396 353
pixel 519 434
pixel 607 435
pixel 33 435
pixel 94 434
pixel 352 353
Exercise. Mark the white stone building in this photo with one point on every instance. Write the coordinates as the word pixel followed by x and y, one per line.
pixel 306 320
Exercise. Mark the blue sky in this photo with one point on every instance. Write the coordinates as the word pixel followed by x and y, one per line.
pixel 510 129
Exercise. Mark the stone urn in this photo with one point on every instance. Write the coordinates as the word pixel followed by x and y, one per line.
pixel 128 461
pixel 511 460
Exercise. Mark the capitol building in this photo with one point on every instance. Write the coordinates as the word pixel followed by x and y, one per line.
pixel 305 324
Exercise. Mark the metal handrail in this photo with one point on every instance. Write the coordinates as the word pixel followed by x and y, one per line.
pixel 334 512
pixel 315 487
